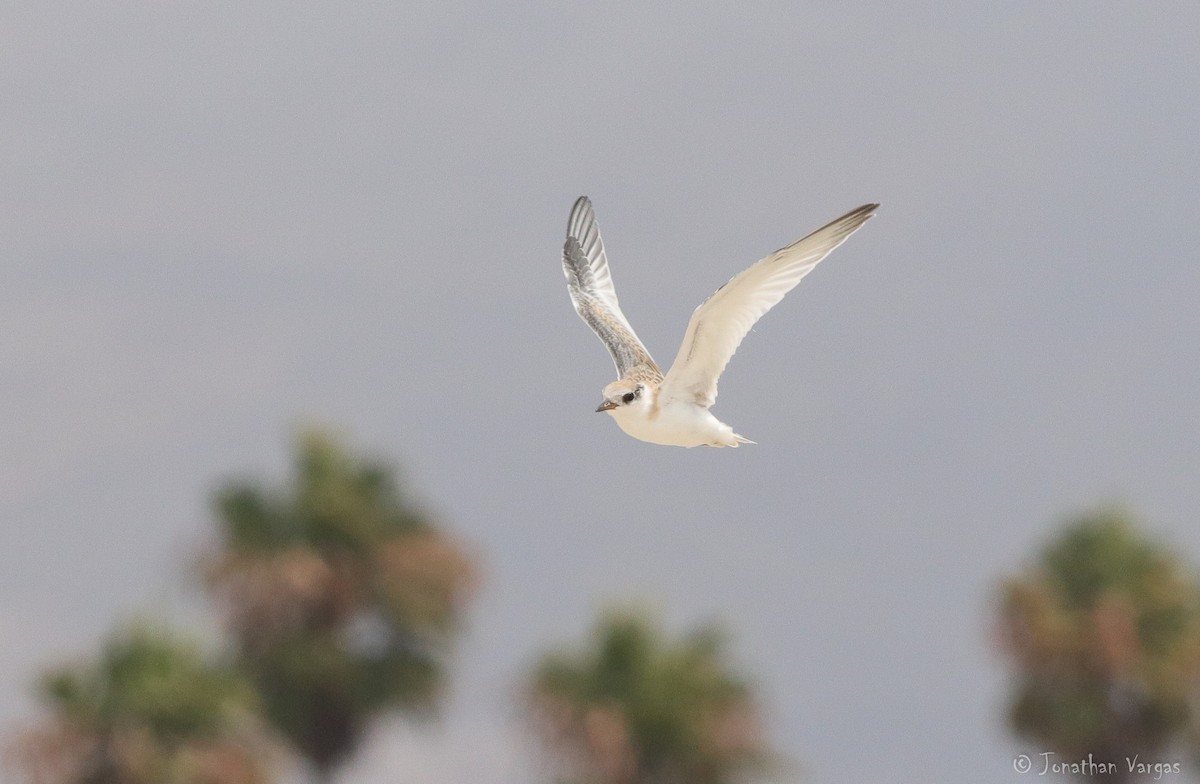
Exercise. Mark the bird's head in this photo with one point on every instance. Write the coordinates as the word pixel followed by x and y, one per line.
pixel 625 394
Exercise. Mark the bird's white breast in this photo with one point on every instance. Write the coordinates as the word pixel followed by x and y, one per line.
pixel 674 424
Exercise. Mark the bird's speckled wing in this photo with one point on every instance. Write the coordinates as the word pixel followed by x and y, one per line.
pixel 591 288
pixel 717 327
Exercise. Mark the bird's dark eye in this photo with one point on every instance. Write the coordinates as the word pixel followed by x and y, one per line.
pixel 628 397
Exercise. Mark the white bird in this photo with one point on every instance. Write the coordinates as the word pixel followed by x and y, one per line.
pixel 673 409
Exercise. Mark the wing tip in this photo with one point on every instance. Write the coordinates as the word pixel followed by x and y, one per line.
pixel 581 216
pixel 866 211
pixel 851 221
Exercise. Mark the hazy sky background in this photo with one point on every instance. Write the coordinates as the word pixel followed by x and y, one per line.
pixel 221 220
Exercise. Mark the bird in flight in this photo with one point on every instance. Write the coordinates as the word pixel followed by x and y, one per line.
pixel 674 409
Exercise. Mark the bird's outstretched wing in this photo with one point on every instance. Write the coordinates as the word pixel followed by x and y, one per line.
pixel 717 327
pixel 595 300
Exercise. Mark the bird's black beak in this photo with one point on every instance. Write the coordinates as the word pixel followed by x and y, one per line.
pixel 607 405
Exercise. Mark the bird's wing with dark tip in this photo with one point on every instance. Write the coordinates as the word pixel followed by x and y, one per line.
pixel 590 285
pixel 717 327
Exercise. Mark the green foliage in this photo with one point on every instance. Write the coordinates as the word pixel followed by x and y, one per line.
pixel 1105 633
pixel 146 677
pixel 151 708
pixel 636 708
pixel 336 502
pixel 343 599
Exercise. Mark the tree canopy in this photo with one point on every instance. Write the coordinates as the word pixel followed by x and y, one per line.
pixel 152 709
pixel 1103 630
pixel 635 707
pixel 342 596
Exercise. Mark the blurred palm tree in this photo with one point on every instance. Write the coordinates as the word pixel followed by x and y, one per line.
pixel 1104 633
pixel 635 708
pixel 342 597
pixel 151 710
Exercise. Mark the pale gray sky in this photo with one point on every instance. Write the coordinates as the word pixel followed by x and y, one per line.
pixel 218 220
